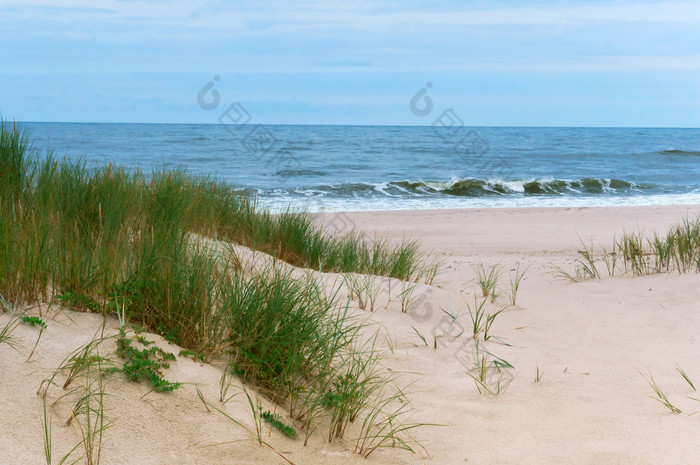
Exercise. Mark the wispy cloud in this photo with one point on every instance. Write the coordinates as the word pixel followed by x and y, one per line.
pixel 459 42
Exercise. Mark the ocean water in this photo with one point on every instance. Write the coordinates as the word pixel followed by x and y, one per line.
pixel 354 168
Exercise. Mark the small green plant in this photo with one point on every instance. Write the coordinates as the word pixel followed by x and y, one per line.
pixel 34 321
pixel 587 263
pixel 79 363
pixel 225 382
pixel 610 260
pixel 431 270
pixel 353 282
pixel 145 342
pixel 390 342
pixel 635 257
pixel 90 412
pixel 201 398
pixel 46 429
pixel 487 279
pixel 448 330
pixel 364 288
pixel 515 282
pixel 372 288
pixel 275 422
pixel 169 334
pixel 406 295
pixel 46 433
pixel 383 426
pixel 659 394
pixel 478 317
pixel 349 386
pixel 258 421
pixel 6 336
pixel 145 364
pixel 137 328
pixel 422 338
pixel 255 410
pixel 491 317
pixel 78 301
pixel 480 372
pixel 561 273
pixel 192 354
pixel 538 374
pixel 685 377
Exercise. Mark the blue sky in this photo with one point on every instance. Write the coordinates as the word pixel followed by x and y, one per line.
pixel 540 63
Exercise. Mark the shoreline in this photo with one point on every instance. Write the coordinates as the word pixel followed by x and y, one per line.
pixel 316 207
pixel 518 228
pixel 546 207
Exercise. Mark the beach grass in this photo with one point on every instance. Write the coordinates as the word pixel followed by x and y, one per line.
pixel 6 331
pixel 34 321
pixel 487 278
pixel 88 413
pixel 678 250
pixel 478 316
pixel 386 424
pixel 659 395
pixel 538 374
pixel 83 230
pixel 406 296
pixel 147 249
pixel 685 377
pixel 515 282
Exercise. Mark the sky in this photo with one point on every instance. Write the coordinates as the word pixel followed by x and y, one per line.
pixel 492 63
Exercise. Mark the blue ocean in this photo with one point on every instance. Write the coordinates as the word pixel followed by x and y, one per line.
pixel 356 168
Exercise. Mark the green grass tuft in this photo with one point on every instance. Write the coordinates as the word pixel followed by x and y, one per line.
pixel 659 395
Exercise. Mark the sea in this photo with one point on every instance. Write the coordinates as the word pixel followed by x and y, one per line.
pixel 357 168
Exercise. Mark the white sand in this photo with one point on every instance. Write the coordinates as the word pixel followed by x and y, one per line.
pixel 590 338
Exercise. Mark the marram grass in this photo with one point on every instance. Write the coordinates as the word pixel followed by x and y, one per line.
pixel 676 251
pixel 124 243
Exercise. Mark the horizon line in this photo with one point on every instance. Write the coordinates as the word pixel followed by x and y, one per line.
pixel 356 125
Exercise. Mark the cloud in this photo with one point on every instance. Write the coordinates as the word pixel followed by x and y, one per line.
pixel 331 44
pixel 310 15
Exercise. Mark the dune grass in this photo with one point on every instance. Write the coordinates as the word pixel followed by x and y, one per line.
pixel 487 278
pixel 77 229
pixel 119 242
pixel 385 424
pixel 685 377
pixel 538 374
pixel 659 395
pixel 515 282
pixel 638 254
pixel 87 365
pixel 6 336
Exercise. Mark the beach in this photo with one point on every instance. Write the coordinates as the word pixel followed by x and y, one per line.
pixel 572 357
pixel 350 233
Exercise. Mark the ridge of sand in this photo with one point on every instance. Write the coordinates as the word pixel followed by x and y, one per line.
pixel 589 338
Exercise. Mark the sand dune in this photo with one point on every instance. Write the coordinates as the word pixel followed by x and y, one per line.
pixel 588 339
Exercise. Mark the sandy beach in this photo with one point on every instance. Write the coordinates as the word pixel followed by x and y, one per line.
pixel 350 233
pixel 588 341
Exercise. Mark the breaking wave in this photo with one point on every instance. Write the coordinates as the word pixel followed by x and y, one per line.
pixel 472 187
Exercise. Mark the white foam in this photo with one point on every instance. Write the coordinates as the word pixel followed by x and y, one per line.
pixel 403 203
pixel 515 186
